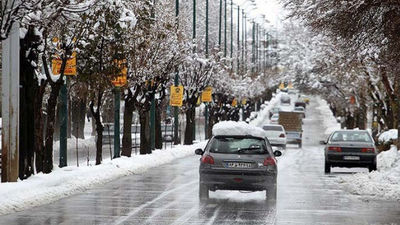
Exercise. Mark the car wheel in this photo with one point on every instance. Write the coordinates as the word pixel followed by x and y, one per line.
pixel 372 167
pixel 203 192
pixel 271 193
pixel 327 167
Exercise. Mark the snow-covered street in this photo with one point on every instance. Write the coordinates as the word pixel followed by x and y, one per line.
pixel 168 194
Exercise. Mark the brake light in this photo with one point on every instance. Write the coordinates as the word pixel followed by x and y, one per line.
pixel 269 161
pixel 207 159
pixel 282 135
pixel 368 150
pixel 336 149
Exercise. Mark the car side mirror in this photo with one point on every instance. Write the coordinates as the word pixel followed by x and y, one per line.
pixel 277 153
pixel 199 151
pixel 323 142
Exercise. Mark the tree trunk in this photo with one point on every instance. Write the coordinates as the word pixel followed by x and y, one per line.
pixel 56 135
pixel 51 117
pixel 38 133
pixel 26 125
pixel 158 134
pixel 190 113
pixel 144 133
pixel 127 132
pixel 99 126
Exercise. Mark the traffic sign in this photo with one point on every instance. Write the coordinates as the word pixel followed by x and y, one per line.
pixel 176 96
pixel 70 66
pixel 206 95
pixel 120 80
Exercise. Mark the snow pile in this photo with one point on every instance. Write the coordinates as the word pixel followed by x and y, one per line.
pixel 388 135
pixel 329 120
pixel 263 115
pixel 381 184
pixel 233 128
pixel 62 182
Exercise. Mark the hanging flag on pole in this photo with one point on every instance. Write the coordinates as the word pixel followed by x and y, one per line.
pixel 120 80
pixel 70 66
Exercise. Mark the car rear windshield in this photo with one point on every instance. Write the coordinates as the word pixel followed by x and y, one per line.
pixel 273 128
pixel 238 145
pixel 356 136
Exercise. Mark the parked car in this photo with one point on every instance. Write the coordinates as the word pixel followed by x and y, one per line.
pixel 350 148
pixel 274 119
pixel 238 162
pixel 285 100
pixel 273 111
pixel 276 135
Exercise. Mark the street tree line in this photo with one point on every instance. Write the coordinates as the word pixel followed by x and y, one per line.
pixel 152 43
pixel 349 52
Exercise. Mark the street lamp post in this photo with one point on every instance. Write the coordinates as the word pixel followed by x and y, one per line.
pixel 238 40
pixel 225 30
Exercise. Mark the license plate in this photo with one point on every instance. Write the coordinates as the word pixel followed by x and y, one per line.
pixel 238 165
pixel 350 157
pixel 289 135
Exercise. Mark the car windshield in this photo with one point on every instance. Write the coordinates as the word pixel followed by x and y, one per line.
pixel 356 136
pixel 242 145
pixel 273 128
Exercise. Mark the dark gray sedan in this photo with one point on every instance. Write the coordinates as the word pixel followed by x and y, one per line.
pixel 238 163
pixel 350 148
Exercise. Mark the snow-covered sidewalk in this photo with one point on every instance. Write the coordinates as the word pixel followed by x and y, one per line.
pixel 62 182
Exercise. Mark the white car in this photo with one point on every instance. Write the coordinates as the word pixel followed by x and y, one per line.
pixel 276 135
pixel 275 119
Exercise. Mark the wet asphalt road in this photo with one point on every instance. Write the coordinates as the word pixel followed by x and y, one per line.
pixel 169 195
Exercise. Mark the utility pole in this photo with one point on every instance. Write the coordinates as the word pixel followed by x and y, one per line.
pixel 63 123
pixel 225 31
pixel 220 25
pixel 152 107
pixel 253 47
pixel 206 104
pixel 117 100
pixel 238 40
pixel 176 83
pixel 232 32
pixel 10 103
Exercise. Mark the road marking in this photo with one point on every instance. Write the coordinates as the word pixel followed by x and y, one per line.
pixel 122 219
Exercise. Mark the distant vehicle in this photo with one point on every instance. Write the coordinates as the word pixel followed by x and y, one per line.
pixel 276 135
pixel 273 111
pixel 238 162
pixel 285 90
pixel 274 119
pixel 350 148
pixel 285 99
pixel 292 91
pixel 300 103
pixel 300 109
pixel 292 122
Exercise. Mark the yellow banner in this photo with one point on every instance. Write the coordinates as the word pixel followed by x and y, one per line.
pixel 290 85
pixel 176 96
pixel 70 67
pixel 281 86
pixel 234 102
pixel 122 76
pixel 244 101
pixel 206 95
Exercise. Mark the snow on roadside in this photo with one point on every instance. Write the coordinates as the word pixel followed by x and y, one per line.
pixel 388 135
pixel 62 182
pixel 381 184
pixel 263 115
pixel 329 119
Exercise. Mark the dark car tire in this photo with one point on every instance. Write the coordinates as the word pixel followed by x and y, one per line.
pixel 372 167
pixel 327 167
pixel 203 192
pixel 271 194
pixel 300 145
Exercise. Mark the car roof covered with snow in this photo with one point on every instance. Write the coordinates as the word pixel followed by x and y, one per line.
pixel 232 128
